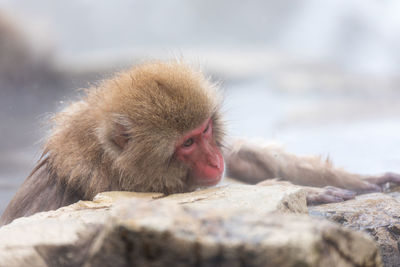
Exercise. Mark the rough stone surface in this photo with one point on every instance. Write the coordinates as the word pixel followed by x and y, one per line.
pixel 27 241
pixel 282 198
pixel 204 228
pixel 161 234
pixel 377 214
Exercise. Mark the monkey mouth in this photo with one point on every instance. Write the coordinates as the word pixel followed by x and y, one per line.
pixel 209 181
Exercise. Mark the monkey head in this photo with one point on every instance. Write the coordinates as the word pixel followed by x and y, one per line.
pixel 157 127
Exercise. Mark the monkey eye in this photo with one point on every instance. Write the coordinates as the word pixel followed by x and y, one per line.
pixel 188 142
pixel 206 129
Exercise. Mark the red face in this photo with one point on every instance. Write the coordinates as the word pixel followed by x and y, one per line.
pixel 198 150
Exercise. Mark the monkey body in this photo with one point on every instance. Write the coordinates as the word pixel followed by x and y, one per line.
pixel 154 128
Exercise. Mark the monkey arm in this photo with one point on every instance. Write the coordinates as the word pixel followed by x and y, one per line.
pixel 253 164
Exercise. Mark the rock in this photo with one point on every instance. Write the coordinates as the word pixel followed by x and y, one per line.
pixel 162 234
pixel 377 214
pixel 28 241
pixel 282 198
pixel 228 226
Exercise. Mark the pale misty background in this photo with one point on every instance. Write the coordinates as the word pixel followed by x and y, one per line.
pixel 321 77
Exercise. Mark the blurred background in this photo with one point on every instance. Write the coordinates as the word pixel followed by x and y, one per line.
pixel 321 77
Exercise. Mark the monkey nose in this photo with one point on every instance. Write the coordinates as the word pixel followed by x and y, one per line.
pixel 213 161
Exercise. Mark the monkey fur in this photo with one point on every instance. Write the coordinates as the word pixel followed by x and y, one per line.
pixel 255 162
pixel 121 136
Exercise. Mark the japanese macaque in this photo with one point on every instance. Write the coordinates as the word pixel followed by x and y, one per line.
pixel 155 128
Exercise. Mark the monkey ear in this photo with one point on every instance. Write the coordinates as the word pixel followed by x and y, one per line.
pixel 120 135
pixel 113 134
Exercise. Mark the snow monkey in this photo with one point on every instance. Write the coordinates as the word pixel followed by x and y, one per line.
pixel 154 128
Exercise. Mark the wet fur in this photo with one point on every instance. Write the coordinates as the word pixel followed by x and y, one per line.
pixel 256 161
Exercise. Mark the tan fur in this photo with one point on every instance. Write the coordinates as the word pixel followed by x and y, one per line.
pixel 156 103
pixel 121 136
pixel 257 161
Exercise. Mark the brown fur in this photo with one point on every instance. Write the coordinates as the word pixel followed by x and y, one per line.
pixel 263 161
pixel 148 108
pixel 255 163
